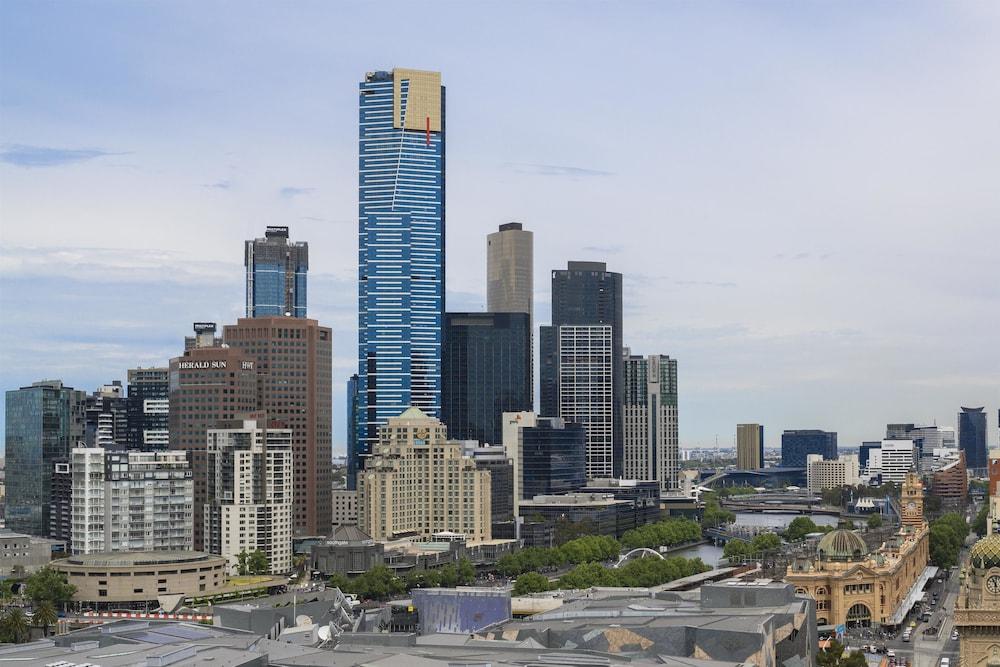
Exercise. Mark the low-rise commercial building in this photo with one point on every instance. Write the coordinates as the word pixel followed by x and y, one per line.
pixel 601 513
pixel 21 555
pixel 142 578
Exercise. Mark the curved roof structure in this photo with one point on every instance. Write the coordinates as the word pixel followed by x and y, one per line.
pixel 842 545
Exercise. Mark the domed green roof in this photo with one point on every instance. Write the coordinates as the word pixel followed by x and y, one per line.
pixel 841 544
pixel 986 552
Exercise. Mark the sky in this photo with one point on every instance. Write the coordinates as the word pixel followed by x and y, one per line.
pixel 804 198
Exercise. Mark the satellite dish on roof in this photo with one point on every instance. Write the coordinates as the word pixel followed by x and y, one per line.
pixel 302 620
pixel 324 633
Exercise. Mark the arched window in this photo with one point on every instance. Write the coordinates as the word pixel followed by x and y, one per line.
pixel 801 591
pixel 859 615
pixel 821 590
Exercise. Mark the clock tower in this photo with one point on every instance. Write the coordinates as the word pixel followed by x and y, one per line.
pixel 912 501
pixel 977 610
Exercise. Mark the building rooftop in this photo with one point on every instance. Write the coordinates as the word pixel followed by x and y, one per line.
pixel 131 559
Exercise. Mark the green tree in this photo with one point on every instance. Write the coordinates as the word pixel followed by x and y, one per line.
pixel 979 525
pixel 566 530
pixel 799 527
pixel 241 563
pixel 257 562
pixel 378 583
pixel 875 521
pixel 49 585
pixel 337 580
pixel 14 628
pixel 765 542
pixel 530 582
pixel 466 572
pixel 833 656
pixel 45 615
pixel 736 549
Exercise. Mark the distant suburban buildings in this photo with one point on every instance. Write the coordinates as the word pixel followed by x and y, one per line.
pixel 796 445
pixel 130 501
pixel 401 265
pixel 972 436
pixel 749 446
pixel 581 365
pixel 43 422
pixel 649 420
pixel 248 506
pixel 418 483
pixel 276 275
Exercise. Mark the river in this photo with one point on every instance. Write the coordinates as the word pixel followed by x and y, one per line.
pixel 711 554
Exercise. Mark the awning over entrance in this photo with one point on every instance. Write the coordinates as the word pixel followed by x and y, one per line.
pixel 914 594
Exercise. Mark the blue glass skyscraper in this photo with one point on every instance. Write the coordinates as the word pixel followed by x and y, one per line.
pixel 276 275
pixel 401 240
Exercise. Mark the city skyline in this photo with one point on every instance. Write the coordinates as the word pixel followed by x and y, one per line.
pixel 767 321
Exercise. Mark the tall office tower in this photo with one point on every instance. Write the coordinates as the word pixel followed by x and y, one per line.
pixel 401 242
pixel 898 457
pixel 651 447
pixel 294 369
pixel 43 422
pixel 148 408
pixel 749 446
pixel 510 273
pixel 130 501
pixel 972 437
pixel 864 452
pixel 209 384
pixel 106 417
pixel 494 459
pixel 352 431
pixel 418 483
pixel 796 445
pixel 586 361
pixel 585 294
pixel 249 501
pixel 276 275
pixel 486 365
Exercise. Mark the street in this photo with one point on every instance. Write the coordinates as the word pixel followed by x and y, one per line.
pixel 922 650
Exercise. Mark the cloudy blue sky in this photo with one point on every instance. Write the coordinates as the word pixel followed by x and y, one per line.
pixel 804 197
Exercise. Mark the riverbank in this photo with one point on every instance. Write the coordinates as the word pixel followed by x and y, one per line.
pixel 685 545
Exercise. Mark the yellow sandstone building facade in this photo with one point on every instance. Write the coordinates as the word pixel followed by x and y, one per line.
pixel 854 586
pixel 417 484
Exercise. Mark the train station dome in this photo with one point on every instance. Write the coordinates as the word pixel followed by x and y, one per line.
pixel 841 545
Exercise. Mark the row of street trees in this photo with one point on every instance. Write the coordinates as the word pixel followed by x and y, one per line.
pixel 592 548
pixel 948 533
pixel 640 572
pixel 381 583
pixel 665 533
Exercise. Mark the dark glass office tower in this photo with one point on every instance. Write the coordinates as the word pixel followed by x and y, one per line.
pixel 486 363
pixel 352 431
pixel 148 409
pixel 584 294
pixel 401 243
pixel 276 275
pixel 972 436
pixel 797 445
pixel 553 457
pixel 43 422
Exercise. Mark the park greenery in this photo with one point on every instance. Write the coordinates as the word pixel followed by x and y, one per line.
pixel 639 572
pixel 948 533
pixel 763 543
pixel 381 583
pixel 592 548
pixel 726 491
pixel 665 533
pixel 252 563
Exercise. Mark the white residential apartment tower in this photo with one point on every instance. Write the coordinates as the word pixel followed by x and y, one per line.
pixel 248 504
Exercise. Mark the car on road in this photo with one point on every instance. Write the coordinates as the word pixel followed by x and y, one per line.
pixel 945 662
pixel 954 635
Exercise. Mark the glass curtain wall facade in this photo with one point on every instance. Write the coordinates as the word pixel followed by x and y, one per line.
pixel 487 371
pixel 43 422
pixel 276 275
pixel 972 436
pixel 401 242
pixel 553 457
pixel 148 409
pixel 797 445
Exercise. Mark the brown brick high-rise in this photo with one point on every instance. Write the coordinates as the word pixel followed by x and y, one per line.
pixel 294 357
pixel 208 384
